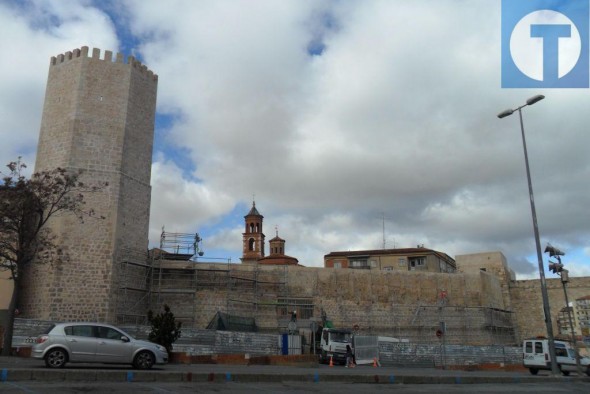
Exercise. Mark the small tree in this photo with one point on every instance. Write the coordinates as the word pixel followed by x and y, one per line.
pixel 26 205
pixel 165 328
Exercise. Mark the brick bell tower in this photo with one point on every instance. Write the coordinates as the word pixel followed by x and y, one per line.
pixel 253 238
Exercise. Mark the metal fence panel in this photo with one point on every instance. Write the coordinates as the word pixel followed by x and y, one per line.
pixel 366 349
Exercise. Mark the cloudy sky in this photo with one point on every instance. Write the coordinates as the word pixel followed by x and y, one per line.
pixel 351 123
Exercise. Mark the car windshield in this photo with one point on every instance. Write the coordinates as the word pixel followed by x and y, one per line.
pixel 340 337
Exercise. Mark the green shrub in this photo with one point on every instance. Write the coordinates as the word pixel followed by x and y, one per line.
pixel 165 328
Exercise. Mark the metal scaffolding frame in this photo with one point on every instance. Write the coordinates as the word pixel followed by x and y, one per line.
pixel 168 281
pixel 134 290
pixel 254 292
pixel 173 274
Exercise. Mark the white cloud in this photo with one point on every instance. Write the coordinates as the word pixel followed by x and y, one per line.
pixel 397 116
pixel 181 206
pixel 32 33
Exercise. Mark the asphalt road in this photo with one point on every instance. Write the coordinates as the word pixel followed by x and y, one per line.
pixel 285 387
pixel 26 375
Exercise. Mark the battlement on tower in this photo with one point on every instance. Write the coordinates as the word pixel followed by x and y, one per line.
pixel 108 57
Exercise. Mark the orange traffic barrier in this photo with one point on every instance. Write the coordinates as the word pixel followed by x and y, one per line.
pixel 331 363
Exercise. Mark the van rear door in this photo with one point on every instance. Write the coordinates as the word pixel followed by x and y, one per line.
pixel 535 354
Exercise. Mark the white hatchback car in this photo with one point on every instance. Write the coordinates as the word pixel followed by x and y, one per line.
pixel 95 343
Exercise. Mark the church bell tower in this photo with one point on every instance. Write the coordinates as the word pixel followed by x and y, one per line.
pixel 253 237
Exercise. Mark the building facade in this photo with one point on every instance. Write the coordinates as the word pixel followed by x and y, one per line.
pixel 582 314
pixel 408 259
pixel 98 120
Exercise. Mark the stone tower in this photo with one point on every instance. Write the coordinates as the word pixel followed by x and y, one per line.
pixel 253 237
pixel 98 117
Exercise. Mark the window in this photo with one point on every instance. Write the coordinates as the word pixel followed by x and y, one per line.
pixel 80 331
pixel 560 352
pixel 337 264
pixel 109 333
pixel 402 261
pixel 251 244
pixel 417 262
pixel 538 347
pixel 373 264
pixel 388 268
pixel 359 264
pixel 303 307
pixel 528 347
pixel 340 337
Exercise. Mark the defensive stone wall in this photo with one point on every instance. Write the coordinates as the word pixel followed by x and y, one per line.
pixel 493 263
pixel 527 303
pixel 98 118
pixel 390 303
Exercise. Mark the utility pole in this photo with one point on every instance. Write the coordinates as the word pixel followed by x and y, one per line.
pixel 557 268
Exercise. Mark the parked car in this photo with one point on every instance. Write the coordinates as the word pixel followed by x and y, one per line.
pixel 95 343
pixel 536 356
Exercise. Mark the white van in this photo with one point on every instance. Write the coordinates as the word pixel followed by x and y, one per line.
pixel 535 356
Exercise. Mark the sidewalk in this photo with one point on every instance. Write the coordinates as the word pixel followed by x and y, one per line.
pixel 25 369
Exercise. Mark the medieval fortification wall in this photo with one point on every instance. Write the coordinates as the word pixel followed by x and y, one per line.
pixel 98 118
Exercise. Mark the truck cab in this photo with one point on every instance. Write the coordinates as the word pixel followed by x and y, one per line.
pixel 333 343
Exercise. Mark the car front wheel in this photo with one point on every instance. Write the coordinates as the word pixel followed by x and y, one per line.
pixel 144 360
pixel 56 358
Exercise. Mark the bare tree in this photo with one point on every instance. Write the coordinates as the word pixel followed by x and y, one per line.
pixel 26 205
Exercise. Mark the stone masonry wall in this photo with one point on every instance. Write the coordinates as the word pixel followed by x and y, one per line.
pixel 98 118
pixel 403 304
pixel 407 304
pixel 527 303
pixel 493 263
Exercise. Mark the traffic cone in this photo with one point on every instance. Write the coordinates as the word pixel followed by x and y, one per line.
pixel 374 361
pixel 331 363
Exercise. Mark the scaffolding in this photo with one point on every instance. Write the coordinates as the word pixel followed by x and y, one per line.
pixel 176 274
pixel 254 292
pixel 173 277
pixel 461 324
pixel 134 288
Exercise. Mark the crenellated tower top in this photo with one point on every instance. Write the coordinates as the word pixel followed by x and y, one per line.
pixel 108 57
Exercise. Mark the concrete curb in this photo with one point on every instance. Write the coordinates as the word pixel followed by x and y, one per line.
pixel 15 375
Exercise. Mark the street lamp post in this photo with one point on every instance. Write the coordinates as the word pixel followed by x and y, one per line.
pixel 548 323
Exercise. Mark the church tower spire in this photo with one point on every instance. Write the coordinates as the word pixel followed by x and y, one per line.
pixel 253 237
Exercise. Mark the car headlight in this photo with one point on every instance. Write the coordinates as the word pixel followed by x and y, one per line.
pixel 161 348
